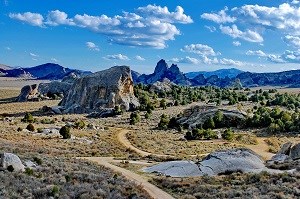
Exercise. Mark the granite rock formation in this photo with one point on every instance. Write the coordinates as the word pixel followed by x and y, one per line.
pixel 101 90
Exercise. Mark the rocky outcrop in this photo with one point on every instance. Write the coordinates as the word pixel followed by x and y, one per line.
pixel 162 71
pixel 288 157
pixel 197 115
pixel 42 90
pixel 101 90
pixel 9 159
pixel 221 162
pixel 164 86
pixel 28 92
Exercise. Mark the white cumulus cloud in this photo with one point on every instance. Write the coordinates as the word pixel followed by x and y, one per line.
pixel 151 26
pixel 247 35
pixel 34 19
pixel 139 58
pixel 200 49
pixel 92 46
pixel 116 57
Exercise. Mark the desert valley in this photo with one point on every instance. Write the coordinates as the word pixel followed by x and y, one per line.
pixel 149 99
pixel 107 135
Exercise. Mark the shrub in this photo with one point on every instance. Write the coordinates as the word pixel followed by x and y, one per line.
pixel 29 171
pixel 10 168
pixel 19 129
pixel 30 127
pixel 118 110
pixel 147 115
pixel 65 132
pixel 28 118
pixel 164 121
pixel 228 134
pixel 209 123
pixel 55 191
pixel 163 104
pixel 38 160
pixel 135 118
pixel 79 124
pixel 40 130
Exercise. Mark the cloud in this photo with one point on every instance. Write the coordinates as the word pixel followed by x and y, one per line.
pixel 292 40
pixel 220 17
pixel 162 13
pixel 185 60
pixel 287 57
pixel 139 58
pixel 56 17
pixel 230 62
pixel 236 43
pixel 211 28
pixel 7 48
pixel 54 60
pixel 248 35
pixel 92 46
pixel 151 26
pixel 33 19
pixel 200 49
pixel 283 19
pixel 116 57
pixel 33 55
pixel 257 53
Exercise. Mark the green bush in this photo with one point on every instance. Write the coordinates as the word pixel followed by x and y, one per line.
pixel 30 127
pixel 79 124
pixel 65 132
pixel 38 160
pixel 228 134
pixel 164 121
pixel 28 118
pixel 135 118
pixel 29 171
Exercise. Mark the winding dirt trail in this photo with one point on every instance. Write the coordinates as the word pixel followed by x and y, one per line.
pixel 123 140
pixel 153 191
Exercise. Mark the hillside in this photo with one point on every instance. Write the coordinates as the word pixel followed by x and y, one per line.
pixel 221 73
pixel 48 71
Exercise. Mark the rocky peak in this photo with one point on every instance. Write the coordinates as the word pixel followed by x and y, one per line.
pixel 174 69
pixel 161 67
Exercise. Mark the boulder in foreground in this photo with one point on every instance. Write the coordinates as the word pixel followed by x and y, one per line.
pixel 221 162
pixel 9 159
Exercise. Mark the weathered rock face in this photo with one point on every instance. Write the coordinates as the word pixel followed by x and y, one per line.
pixel 164 86
pixel 104 89
pixel 288 157
pixel 31 92
pixel 197 115
pixel 28 92
pixel 7 159
pixel 221 162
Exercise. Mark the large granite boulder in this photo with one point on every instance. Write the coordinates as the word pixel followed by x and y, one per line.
pixel 28 92
pixel 221 162
pixel 165 86
pixel 38 91
pixel 197 115
pixel 288 157
pixel 9 159
pixel 101 90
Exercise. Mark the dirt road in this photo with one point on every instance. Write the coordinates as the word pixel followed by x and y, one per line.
pixel 153 191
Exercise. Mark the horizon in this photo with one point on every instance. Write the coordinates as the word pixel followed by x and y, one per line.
pixel 95 36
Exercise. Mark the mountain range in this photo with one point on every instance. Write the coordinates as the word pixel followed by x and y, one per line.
pixel 48 71
pixel 221 78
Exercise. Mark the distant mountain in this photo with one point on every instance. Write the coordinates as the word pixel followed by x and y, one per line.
pixel 45 71
pixel 285 78
pixel 221 78
pixel 162 71
pixel 221 73
pixel 5 67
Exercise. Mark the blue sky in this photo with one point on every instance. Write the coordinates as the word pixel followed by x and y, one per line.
pixel 256 35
